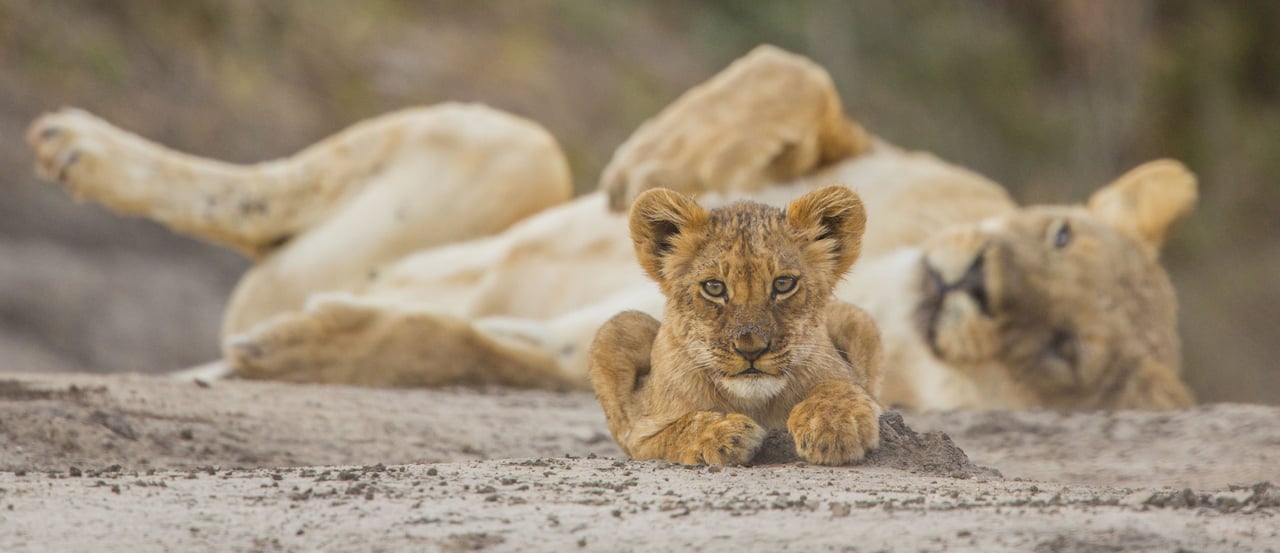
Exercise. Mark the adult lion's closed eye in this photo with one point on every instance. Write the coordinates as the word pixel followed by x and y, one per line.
pixel 752 337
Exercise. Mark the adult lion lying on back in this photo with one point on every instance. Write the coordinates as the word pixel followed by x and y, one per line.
pixel 377 262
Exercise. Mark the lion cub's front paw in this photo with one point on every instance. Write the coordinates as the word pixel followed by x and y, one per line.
pixel 836 425
pixel 732 440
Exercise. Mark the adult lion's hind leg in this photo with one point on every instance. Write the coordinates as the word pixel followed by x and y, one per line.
pixel 249 208
pixel 454 173
pixel 256 208
pixel 342 339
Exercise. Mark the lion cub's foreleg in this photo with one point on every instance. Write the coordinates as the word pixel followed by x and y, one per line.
pixel 619 369
pixel 837 424
pixel 618 365
pixel 701 438
pixel 857 339
pixel 839 421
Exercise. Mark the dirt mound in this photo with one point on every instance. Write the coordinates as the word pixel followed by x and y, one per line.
pixel 901 448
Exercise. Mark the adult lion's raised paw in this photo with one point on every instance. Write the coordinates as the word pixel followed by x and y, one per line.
pixel 836 425
pixel 771 116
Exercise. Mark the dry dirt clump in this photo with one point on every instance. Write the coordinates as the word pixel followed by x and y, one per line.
pixel 1244 498
pixel 901 448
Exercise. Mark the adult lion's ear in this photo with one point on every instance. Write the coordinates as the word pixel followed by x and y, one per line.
pixel 1145 202
pixel 664 223
pixel 833 219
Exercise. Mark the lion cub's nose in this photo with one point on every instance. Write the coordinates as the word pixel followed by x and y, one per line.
pixel 750 346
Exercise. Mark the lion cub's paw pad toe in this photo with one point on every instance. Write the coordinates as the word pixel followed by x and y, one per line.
pixel 733 440
pixel 835 436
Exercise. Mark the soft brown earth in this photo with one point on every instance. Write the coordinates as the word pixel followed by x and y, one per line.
pixel 134 463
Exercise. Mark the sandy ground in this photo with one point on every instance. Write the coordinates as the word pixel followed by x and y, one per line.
pixel 136 463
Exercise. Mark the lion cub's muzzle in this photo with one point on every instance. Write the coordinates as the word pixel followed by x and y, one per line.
pixel 750 345
pixel 753 348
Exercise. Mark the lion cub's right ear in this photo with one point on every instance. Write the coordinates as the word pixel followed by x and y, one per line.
pixel 666 229
pixel 833 219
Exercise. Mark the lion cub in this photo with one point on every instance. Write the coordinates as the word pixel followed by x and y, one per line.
pixel 753 338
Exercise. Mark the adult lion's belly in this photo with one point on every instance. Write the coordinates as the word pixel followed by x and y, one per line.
pixel 558 261
pixel 575 258
pixel 911 196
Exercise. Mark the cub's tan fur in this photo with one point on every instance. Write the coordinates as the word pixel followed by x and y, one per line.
pixel 751 339
pixel 398 252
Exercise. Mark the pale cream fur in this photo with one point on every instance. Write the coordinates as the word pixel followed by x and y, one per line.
pixel 417 220
pixel 332 216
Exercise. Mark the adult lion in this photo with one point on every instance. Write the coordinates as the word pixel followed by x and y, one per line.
pixel 439 246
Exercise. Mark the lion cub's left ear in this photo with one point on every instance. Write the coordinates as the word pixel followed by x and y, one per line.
pixel 1145 202
pixel 832 217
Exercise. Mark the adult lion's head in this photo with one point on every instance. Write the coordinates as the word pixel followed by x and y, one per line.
pixel 1067 305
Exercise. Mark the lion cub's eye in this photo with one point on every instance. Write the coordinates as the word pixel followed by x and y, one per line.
pixel 1063 236
pixel 713 288
pixel 782 285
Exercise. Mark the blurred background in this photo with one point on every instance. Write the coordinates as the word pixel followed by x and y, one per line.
pixel 1052 99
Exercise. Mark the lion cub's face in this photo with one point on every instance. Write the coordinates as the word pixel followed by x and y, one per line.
pixel 1068 304
pixel 747 284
